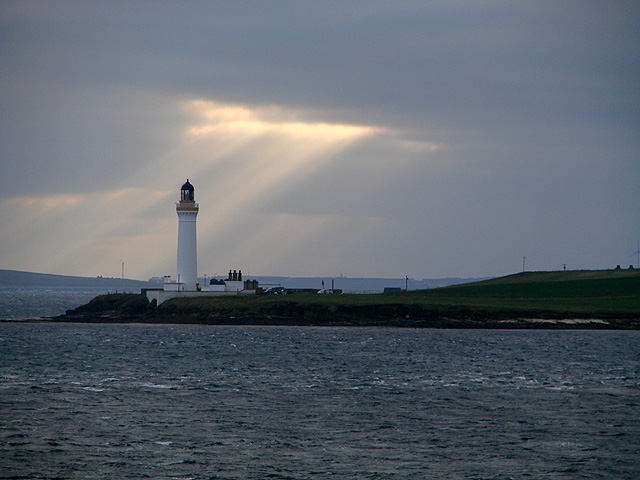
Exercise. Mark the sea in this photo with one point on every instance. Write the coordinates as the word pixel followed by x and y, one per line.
pixel 87 401
pixel 29 302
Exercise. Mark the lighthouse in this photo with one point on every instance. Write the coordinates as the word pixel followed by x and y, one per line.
pixel 187 268
pixel 186 282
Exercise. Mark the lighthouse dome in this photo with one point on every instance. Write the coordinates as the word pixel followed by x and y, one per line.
pixel 186 191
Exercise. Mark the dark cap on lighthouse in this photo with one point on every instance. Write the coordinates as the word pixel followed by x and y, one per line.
pixel 186 192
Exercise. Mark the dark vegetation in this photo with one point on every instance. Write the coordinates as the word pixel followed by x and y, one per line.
pixel 581 299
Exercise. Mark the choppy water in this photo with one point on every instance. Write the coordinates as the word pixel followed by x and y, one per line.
pixel 206 402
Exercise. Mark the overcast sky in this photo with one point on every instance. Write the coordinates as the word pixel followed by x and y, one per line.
pixel 365 139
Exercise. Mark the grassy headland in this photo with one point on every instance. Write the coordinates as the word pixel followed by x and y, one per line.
pixel 574 299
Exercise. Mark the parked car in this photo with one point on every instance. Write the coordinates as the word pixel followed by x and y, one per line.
pixel 274 291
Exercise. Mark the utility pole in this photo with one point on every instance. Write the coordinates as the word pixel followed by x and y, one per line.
pixel 406 283
pixel 124 289
pixel 523 262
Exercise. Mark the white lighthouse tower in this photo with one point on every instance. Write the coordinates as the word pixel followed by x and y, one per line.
pixel 187 269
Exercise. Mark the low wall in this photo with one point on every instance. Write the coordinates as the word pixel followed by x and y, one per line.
pixel 161 296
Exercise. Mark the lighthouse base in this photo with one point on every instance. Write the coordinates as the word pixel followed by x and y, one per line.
pixel 161 296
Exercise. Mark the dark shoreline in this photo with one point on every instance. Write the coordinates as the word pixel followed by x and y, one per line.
pixel 522 323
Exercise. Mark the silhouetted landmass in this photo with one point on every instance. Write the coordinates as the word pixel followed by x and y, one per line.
pixel 593 299
pixel 15 278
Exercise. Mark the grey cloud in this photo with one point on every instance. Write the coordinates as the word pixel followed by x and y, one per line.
pixel 536 103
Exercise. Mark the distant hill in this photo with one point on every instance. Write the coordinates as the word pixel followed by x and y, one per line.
pixel 16 278
pixel 588 291
pixel 362 285
pixel 558 284
pixel 562 276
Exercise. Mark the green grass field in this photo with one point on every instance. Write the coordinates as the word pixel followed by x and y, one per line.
pixel 578 291
pixel 593 292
